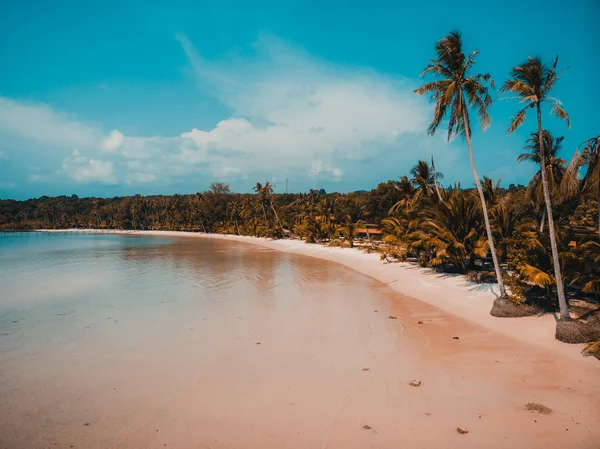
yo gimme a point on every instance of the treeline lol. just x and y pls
(438, 227)
(313, 215)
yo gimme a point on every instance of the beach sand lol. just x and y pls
(332, 375)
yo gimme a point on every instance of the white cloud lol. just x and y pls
(113, 141)
(3, 155)
(318, 167)
(290, 113)
(83, 170)
(40, 123)
(291, 110)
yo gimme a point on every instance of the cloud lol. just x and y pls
(292, 110)
(84, 170)
(290, 113)
(113, 141)
(3, 155)
(40, 123)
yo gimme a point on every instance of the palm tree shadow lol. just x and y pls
(470, 286)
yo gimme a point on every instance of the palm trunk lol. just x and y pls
(488, 227)
(562, 300)
(437, 189)
(543, 222)
(276, 216)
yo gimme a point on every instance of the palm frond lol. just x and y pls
(561, 113)
(535, 275)
(517, 120)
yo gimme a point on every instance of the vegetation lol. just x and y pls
(541, 240)
(453, 96)
(533, 82)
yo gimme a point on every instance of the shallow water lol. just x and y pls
(99, 333)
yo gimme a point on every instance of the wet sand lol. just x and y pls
(305, 354)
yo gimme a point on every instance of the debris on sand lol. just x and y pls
(257, 343)
(420, 322)
(455, 338)
(538, 408)
(462, 430)
(415, 383)
(592, 349)
(367, 427)
(392, 317)
(366, 369)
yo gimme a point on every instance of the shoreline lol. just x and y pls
(451, 293)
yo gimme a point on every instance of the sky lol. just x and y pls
(117, 98)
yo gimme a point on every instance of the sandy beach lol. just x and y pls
(332, 368)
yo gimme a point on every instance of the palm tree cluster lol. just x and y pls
(455, 93)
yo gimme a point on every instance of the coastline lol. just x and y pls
(451, 293)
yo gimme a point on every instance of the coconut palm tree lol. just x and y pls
(533, 82)
(453, 95)
(456, 231)
(555, 168)
(425, 178)
(490, 191)
(234, 213)
(591, 180)
(349, 230)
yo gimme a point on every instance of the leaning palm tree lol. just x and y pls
(453, 95)
(533, 82)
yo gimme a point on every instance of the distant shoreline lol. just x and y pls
(450, 293)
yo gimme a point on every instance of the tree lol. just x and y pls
(349, 230)
(533, 81)
(591, 180)
(453, 95)
(456, 232)
(555, 168)
(425, 178)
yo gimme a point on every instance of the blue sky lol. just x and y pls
(114, 98)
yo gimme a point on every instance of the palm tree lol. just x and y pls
(490, 191)
(555, 168)
(454, 94)
(436, 175)
(234, 214)
(533, 81)
(425, 178)
(456, 231)
(591, 180)
(349, 230)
